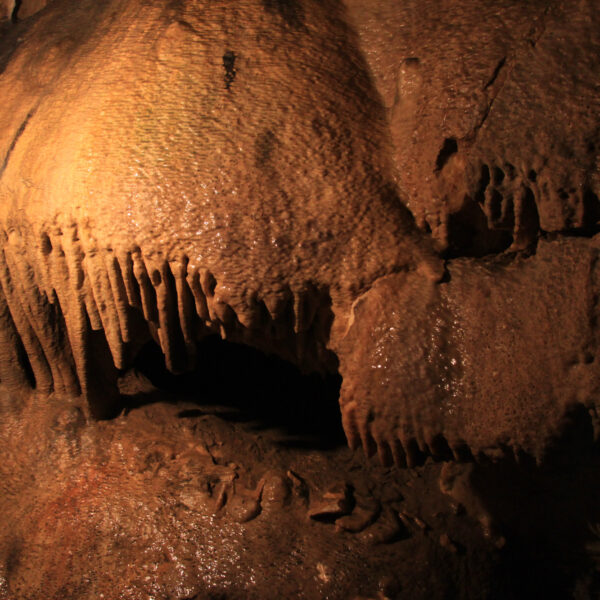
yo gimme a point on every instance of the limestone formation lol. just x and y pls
(174, 170)
(493, 112)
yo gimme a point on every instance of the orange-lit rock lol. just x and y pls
(493, 112)
(403, 195)
(174, 171)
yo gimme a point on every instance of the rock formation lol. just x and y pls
(171, 171)
(402, 195)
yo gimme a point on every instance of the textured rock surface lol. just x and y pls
(510, 348)
(493, 111)
(175, 500)
(248, 192)
(175, 171)
(171, 172)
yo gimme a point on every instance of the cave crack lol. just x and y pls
(504, 68)
(15, 139)
(496, 72)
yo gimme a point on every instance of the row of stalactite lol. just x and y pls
(71, 318)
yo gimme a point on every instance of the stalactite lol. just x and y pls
(119, 294)
(169, 331)
(95, 268)
(132, 287)
(186, 310)
(43, 318)
(73, 287)
(251, 313)
(148, 295)
(193, 279)
(91, 307)
(14, 362)
(37, 358)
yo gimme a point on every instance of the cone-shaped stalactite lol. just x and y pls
(72, 317)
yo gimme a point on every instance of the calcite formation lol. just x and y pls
(174, 170)
(493, 112)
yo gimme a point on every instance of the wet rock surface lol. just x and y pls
(483, 119)
(187, 192)
(493, 111)
(176, 499)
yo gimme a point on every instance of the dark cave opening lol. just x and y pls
(14, 17)
(248, 386)
(469, 234)
(549, 513)
(449, 147)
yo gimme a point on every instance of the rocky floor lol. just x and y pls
(190, 495)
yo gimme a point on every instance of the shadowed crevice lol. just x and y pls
(14, 17)
(552, 544)
(449, 147)
(496, 72)
(15, 139)
(290, 11)
(248, 386)
(230, 70)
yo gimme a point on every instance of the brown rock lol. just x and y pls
(481, 150)
(148, 196)
(275, 489)
(332, 504)
(387, 529)
(243, 508)
(364, 513)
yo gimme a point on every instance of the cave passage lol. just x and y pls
(246, 385)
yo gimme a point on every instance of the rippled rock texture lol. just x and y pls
(381, 191)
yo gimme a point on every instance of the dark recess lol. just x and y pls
(229, 66)
(264, 147)
(290, 11)
(549, 515)
(14, 17)
(591, 210)
(470, 235)
(262, 389)
(449, 147)
(23, 359)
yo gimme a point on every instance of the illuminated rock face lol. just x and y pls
(493, 111)
(169, 171)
